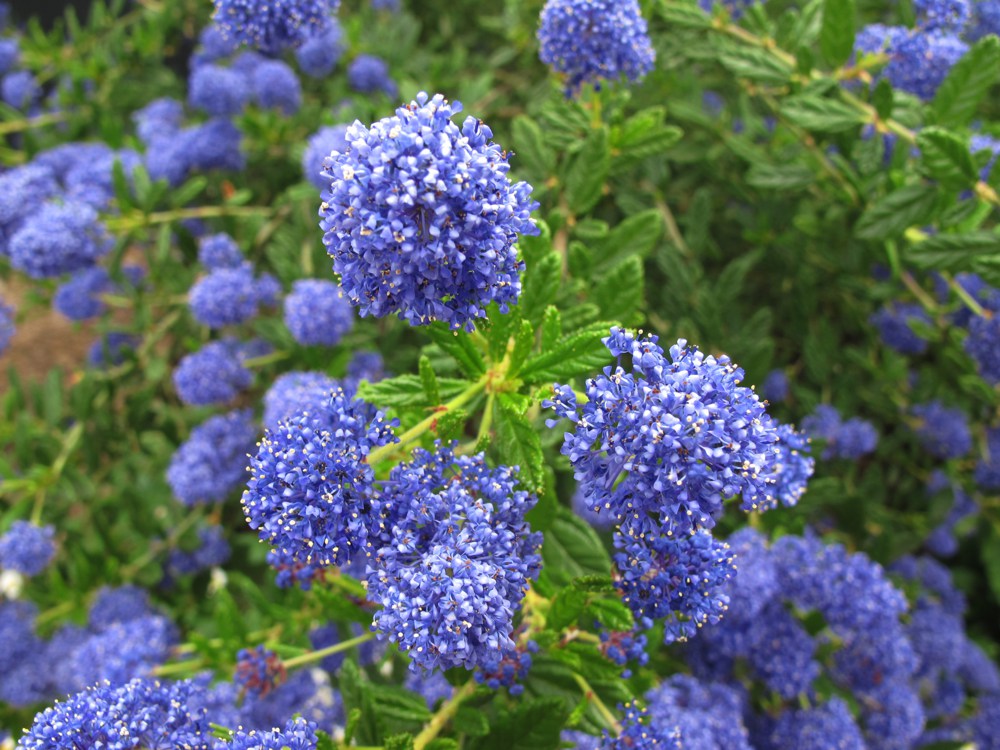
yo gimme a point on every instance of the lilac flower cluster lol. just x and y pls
(215, 373)
(293, 393)
(942, 431)
(456, 560)
(272, 25)
(317, 314)
(369, 74)
(259, 671)
(982, 343)
(848, 440)
(919, 59)
(7, 327)
(212, 550)
(298, 734)
(79, 298)
(656, 451)
(211, 463)
(218, 251)
(942, 540)
(590, 41)
(421, 218)
(894, 326)
(506, 669)
(58, 239)
(228, 296)
(320, 145)
(311, 492)
(27, 548)
(623, 646)
(319, 53)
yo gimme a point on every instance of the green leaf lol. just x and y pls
(882, 99)
(578, 354)
(970, 79)
(620, 292)
(402, 741)
(684, 15)
(450, 425)
(405, 391)
(755, 64)
(822, 115)
(990, 552)
(471, 721)
(429, 380)
(780, 176)
(524, 342)
(533, 724)
(458, 344)
(551, 327)
(953, 252)
(635, 236)
(573, 549)
(566, 608)
(541, 285)
(897, 211)
(641, 137)
(836, 36)
(518, 441)
(611, 613)
(588, 172)
(946, 157)
(531, 153)
(399, 705)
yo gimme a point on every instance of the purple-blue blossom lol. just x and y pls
(158, 120)
(320, 52)
(275, 86)
(319, 146)
(226, 296)
(27, 548)
(317, 314)
(294, 393)
(985, 20)
(216, 251)
(421, 218)
(775, 386)
(259, 670)
(212, 375)
(942, 15)
(272, 25)
(58, 239)
(297, 734)
(894, 323)
(369, 74)
(987, 471)
(19, 89)
(593, 41)
(7, 325)
(942, 431)
(211, 463)
(217, 91)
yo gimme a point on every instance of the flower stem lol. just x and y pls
(125, 223)
(314, 656)
(602, 709)
(967, 298)
(443, 715)
(421, 427)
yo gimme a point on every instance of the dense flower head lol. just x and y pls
(226, 296)
(319, 146)
(641, 731)
(985, 20)
(433, 686)
(259, 671)
(793, 466)
(935, 579)
(213, 45)
(213, 144)
(122, 651)
(920, 61)
(216, 251)
(22, 190)
(456, 561)
(369, 74)
(19, 89)
(139, 714)
(114, 605)
(212, 375)
(320, 53)
(298, 734)
(827, 727)
(366, 366)
(708, 715)
(849, 439)
(10, 51)
(272, 25)
(894, 326)
(7, 326)
(983, 345)
(307, 693)
(310, 495)
(659, 448)
(943, 432)
(79, 298)
(275, 86)
(27, 548)
(213, 550)
(942, 540)
(293, 393)
(211, 463)
(591, 41)
(316, 313)
(506, 669)
(58, 239)
(623, 646)
(679, 579)
(160, 119)
(421, 218)
(217, 91)
(944, 15)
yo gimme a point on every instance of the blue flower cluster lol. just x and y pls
(259, 671)
(317, 314)
(293, 393)
(58, 239)
(942, 540)
(369, 74)
(27, 548)
(506, 669)
(79, 298)
(623, 646)
(657, 450)
(919, 59)
(217, 251)
(272, 25)
(848, 440)
(320, 145)
(311, 493)
(421, 218)
(215, 373)
(212, 550)
(456, 560)
(942, 431)
(228, 296)
(298, 734)
(211, 463)
(140, 713)
(590, 41)
(894, 325)
(982, 343)
(319, 53)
